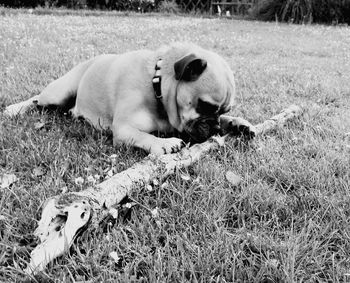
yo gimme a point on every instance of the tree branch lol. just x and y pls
(64, 215)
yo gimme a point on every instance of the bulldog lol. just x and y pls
(180, 88)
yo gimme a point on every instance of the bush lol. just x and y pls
(268, 10)
(302, 11)
(131, 5)
(335, 11)
(21, 3)
(42, 3)
(169, 6)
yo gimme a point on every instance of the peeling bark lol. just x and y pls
(64, 215)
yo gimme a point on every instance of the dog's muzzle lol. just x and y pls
(202, 128)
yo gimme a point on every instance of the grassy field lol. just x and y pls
(288, 220)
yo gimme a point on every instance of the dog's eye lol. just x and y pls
(206, 108)
(224, 110)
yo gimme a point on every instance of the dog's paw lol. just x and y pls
(168, 145)
(14, 110)
(241, 127)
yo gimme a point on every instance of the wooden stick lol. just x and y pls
(64, 215)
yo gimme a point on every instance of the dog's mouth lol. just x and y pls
(202, 128)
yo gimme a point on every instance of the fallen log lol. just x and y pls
(63, 216)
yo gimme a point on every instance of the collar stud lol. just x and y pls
(157, 79)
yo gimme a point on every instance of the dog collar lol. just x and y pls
(156, 81)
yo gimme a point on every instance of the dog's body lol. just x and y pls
(116, 92)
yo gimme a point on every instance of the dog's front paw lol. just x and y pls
(14, 110)
(168, 145)
(237, 126)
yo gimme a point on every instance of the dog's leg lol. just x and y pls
(131, 136)
(21, 107)
(236, 126)
(58, 93)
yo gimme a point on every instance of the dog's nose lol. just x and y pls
(216, 129)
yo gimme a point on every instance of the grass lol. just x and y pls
(288, 220)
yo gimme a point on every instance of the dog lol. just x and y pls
(180, 88)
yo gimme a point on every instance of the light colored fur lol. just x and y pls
(116, 92)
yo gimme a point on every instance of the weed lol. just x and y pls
(287, 221)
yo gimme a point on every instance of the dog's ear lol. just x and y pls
(189, 68)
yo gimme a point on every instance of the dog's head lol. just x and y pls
(203, 89)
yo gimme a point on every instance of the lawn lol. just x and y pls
(288, 220)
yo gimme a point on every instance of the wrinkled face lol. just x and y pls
(207, 122)
(199, 112)
(201, 102)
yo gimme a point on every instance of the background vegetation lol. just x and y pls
(295, 11)
(303, 11)
(288, 220)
